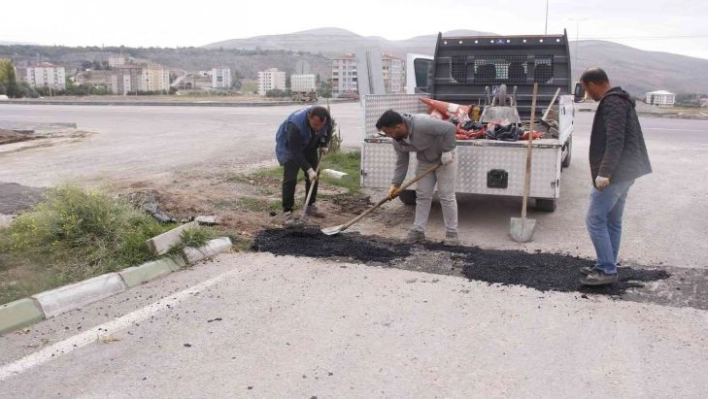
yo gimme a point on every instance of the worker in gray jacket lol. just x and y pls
(434, 142)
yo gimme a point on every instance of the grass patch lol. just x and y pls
(197, 237)
(347, 162)
(75, 235)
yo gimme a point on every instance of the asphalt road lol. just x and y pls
(256, 325)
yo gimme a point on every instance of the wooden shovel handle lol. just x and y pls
(387, 198)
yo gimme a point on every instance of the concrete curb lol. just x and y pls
(27, 311)
(211, 248)
(18, 314)
(74, 296)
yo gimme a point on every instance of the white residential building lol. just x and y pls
(270, 79)
(344, 76)
(660, 97)
(303, 83)
(154, 78)
(47, 75)
(221, 78)
(114, 61)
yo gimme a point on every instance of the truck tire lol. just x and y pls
(566, 161)
(407, 197)
(546, 204)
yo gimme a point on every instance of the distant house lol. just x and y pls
(660, 97)
(303, 83)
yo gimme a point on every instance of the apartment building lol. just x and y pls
(221, 78)
(303, 83)
(46, 75)
(345, 81)
(344, 76)
(394, 73)
(126, 79)
(154, 78)
(270, 79)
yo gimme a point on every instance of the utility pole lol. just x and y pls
(577, 37)
(546, 31)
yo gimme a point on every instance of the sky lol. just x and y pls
(677, 26)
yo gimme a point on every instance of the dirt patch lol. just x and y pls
(354, 204)
(15, 198)
(8, 137)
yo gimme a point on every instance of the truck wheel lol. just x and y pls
(546, 204)
(569, 145)
(407, 197)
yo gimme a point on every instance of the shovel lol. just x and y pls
(303, 217)
(522, 229)
(330, 231)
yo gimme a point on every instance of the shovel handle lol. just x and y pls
(387, 198)
(527, 175)
(309, 193)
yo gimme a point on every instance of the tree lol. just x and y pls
(8, 79)
(325, 89)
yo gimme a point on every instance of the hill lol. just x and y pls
(335, 41)
(637, 71)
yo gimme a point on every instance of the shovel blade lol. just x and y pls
(330, 231)
(521, 230)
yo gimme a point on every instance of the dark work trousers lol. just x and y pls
(290, 171)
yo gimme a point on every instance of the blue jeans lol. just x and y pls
(604, 223)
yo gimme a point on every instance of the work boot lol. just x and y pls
(312, 210)
(414, 237)
(451, 240)
(288, 218)
(599, 278)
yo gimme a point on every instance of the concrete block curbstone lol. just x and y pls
(77, 295)
(137, 275)
(18, 314)
(161, 244)
(177, 263)
(211, 248)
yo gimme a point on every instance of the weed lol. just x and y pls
(76, 234)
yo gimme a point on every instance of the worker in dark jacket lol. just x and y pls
(618, 156)
(300, 140)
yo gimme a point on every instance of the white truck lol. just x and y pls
(467, 71)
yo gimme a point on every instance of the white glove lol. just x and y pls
(311, 174)
(602, 182)
(447, 157)
(323, 151)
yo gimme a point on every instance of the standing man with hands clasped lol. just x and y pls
(299, 142)
(434, 142)
(618, 156)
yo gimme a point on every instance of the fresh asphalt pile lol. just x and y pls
(542, 271)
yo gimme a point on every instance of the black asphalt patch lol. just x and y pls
(541, 271)
(313, 243)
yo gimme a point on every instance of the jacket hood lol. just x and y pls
(617, 91)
